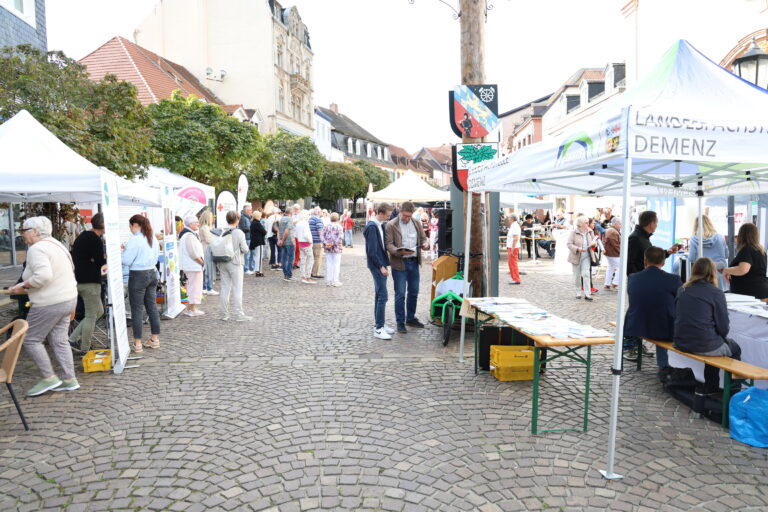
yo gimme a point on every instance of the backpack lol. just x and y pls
(222, 249)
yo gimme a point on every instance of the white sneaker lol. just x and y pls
(243, 318)
(381, 334)
(212, 292)
(388, 329)
(337, 284)
(249, 272)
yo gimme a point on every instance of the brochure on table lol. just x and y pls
(109, 198)
(170, 265)
(534, 321)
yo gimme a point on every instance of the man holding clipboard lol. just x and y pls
(404, 238)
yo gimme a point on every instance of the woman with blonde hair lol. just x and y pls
(206, 237)
(580, 244)
(713, 244)
(701, 319)
(747, 271)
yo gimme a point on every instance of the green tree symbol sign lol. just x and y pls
(477, 153)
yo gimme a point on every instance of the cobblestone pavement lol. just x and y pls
(303, 409)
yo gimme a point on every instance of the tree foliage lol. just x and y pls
(378, 177)
(200, 141)
(296, 169)
(341, 180)
(103, 121)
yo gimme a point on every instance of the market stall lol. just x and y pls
(38, 167)
(688, 129)
(409, 187)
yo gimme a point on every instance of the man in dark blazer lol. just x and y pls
(378, 261)
(651, 312)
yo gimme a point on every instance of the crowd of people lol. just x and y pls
(661, 307)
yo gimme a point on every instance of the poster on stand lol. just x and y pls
(170, 266)
(664, 236)
(109, 208)
(242, 191)
(224, 203)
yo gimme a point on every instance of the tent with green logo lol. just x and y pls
(688, 129)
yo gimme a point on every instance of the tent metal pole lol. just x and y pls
(619, 335)
(466, 274)
(701, 227)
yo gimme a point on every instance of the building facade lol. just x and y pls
(356, 143)
(251, 52)
(23, 22)
(322, 137)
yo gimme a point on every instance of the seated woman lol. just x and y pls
(747, 271)
(701, 319)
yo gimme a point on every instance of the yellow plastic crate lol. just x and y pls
(512, 362)
(97, 361)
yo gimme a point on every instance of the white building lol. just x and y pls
(250, 52)
(322, 137)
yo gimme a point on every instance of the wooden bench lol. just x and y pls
(733, 369)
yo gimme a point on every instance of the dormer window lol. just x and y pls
(357, 147)
(350, 149)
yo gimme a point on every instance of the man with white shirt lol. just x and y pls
(404, 239)
(378, 261)
(513, 249)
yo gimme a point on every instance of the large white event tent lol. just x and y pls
(688, 129)
(37, 167)
(409, 187)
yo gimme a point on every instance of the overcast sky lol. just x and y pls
(389, 64)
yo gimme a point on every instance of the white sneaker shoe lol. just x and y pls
(337, 284)
(388, 329)
(381, 334)
(212, 292)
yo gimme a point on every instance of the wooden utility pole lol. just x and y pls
(472, 17)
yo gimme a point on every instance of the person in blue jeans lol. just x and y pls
(405, 240)
(378, 261)
(285, 236)
(245, 226)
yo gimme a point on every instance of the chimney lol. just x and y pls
(334, 108)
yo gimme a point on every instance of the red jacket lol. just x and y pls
(349, 223)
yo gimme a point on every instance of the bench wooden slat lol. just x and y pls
(739, 369)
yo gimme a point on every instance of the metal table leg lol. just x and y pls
(535, 405)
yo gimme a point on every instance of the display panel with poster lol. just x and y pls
(170, 266)
(109, 207)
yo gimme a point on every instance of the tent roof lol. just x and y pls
(410, 188)
(37, 166)
(159, 175)
(688, 125)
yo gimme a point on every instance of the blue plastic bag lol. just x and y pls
(749, 417)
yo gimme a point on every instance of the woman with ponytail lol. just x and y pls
(139, 259)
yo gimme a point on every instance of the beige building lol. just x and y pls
(251, 52)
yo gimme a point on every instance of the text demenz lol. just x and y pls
(682, 146)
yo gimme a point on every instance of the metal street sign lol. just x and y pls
(465, 155)
(474, 110)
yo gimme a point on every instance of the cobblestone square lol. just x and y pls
(302, 409)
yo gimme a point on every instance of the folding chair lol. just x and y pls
(10, 351)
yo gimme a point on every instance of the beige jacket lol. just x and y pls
(50, 273)
(576, 242)
(394, 239)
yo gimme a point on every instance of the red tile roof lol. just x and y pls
(155, 78)
(442, 153)
(398, 151)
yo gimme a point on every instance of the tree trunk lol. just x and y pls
(473, 73)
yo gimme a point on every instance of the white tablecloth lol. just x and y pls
(750, 332)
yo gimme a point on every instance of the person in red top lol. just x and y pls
(349, 226)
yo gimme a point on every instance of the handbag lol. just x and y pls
(594, 259)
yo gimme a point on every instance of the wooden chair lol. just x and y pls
(10, 351)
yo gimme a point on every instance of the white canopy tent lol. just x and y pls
(516, 200)
(409, 187)
(688, 129)
(37, 167)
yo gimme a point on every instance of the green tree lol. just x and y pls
(378, 177)
(200, 141)
(103, 121)
(296, 169)
(341, 180)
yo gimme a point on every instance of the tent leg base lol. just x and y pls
(610, 476)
